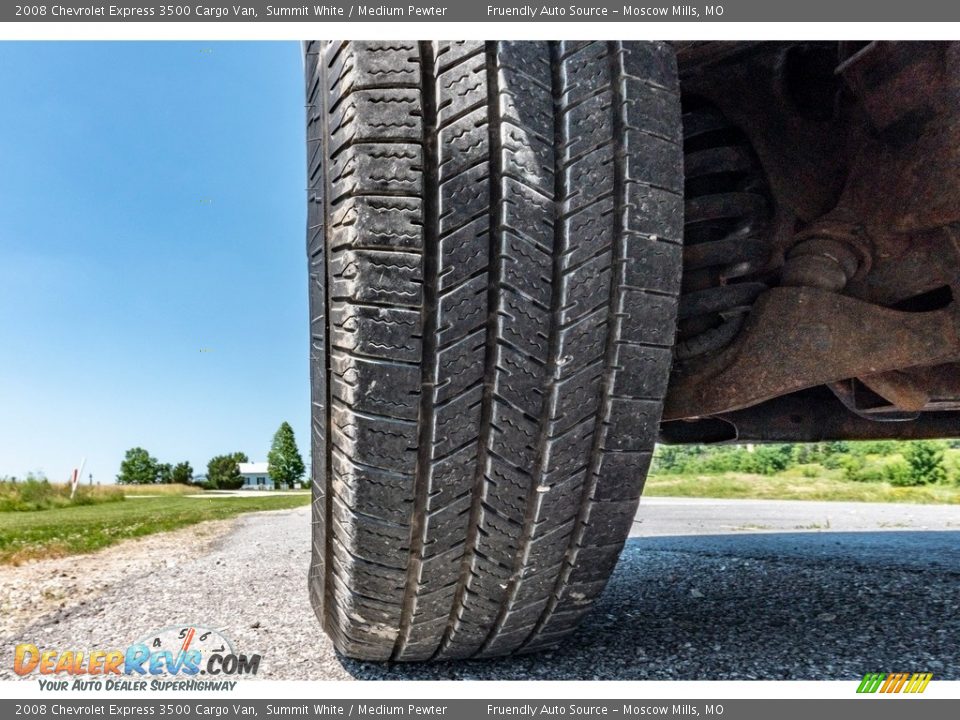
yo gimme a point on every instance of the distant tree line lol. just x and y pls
(285, 466)
(139, 467)
(901, 463)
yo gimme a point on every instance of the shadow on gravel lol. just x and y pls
(789, 606)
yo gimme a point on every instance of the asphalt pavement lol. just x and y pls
(705, 589)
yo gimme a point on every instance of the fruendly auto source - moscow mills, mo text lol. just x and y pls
(585, 11)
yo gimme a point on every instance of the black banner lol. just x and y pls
(502, 11)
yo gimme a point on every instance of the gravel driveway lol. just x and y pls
(706, 589)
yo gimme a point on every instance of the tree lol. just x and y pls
(925, 459)
(138, 468)
(223, 471)
(164, 473)
(283, 461)
(182, 473)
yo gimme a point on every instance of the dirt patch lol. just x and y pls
(36, 588)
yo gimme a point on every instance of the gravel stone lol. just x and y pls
(779, 604)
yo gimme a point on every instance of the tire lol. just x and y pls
(495, 252)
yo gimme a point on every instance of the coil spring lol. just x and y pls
(728, 216)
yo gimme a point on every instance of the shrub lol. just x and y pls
(952, 464)
(851, 466)
(925, 458)
(772, 459)
(898, 474)
(36, 492)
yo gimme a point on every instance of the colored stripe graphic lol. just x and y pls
(894, 682)
(890, 683)
(918, 683)
(870, 682)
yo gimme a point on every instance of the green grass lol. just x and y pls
(795, 486)
(80, 529)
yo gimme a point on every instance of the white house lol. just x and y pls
(255, 476)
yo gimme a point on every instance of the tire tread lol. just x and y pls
(494, 244)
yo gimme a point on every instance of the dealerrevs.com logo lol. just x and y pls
(173, 658)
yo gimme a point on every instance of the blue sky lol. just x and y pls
(151, 207)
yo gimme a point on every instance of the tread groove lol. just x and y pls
(494, 123)
(428, 381)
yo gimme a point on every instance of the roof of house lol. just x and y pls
(253, 468)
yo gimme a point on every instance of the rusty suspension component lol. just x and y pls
(727, 218)
(837, 337)
(867, 296)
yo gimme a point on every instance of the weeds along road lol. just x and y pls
(705, 589)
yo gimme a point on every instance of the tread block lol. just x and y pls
(382, 443)
(460, 88)
(519, 378)
(653, 265)
(621, 475)
(653, 110)
(464, 252)
(610, 522)
(456, 421)
(377, 277)
(464, 197)
(576, 450)
(660, 160)
(377, 169)
(463, 143)
(371, 115)
(527, 216)
(642, 372)
(650, 63)
(378, 332)
(517, 436)
(632, 424)
(579, 397)
(648, 318)
(369, 539)
(370, 388)
(461, 366)
(382, 64)
(585, 336)
(584, 286)
(450, 53)
(372, 489)
(453, 476)
(384, 222)
(524, 324)
(589, 232)
(463, 310)
(654, 212)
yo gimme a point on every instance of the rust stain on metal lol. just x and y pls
(868, 282)
(797, 338)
